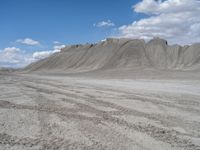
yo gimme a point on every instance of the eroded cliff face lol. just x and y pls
(122, 53)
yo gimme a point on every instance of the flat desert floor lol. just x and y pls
(72, 113)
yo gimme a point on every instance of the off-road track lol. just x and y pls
(65, 113)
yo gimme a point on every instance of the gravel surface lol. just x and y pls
(66, 113)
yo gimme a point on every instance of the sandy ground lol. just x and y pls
(65, 113)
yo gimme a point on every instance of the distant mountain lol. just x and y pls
(121, 54)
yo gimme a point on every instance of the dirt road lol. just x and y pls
(54, 113)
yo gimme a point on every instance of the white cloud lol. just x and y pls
(28, 41)
(168, 6)
(11, 50)
(43, 54)
(107, 23)
(58, 47)
(16, 58)
(56, 42)
(13, 57)
(178, 21)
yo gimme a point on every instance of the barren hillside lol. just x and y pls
(121, 54)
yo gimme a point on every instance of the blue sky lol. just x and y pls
(34, 29)
(67, 21)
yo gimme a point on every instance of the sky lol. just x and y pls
(31, 30)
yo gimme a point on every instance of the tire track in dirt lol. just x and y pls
(46, 107)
